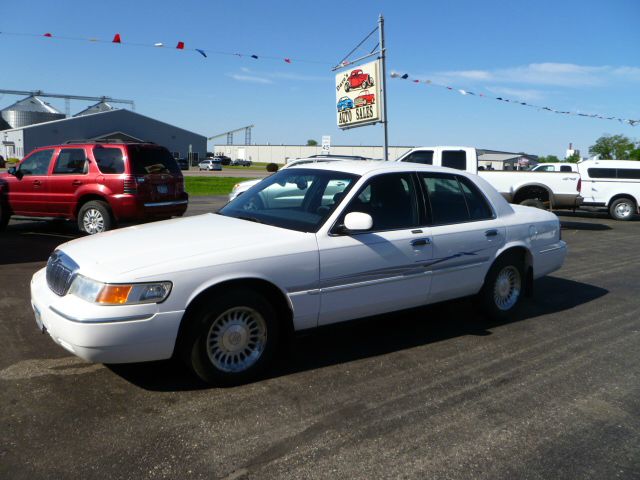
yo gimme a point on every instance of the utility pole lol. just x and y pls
(385, 118)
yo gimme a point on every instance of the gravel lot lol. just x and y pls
(432, 393)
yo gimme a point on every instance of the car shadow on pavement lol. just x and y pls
(594, 227)
(349, 341)
(33, 241)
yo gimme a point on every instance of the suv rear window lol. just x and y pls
(144, 160)
(109, 160)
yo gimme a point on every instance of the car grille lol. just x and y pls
(60, 272)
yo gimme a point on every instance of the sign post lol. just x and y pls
(361, 91)
(326, 145)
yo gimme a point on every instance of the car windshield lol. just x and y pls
(296, 199)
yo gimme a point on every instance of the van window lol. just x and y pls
(632, 173)
(602, 172)
(109, 159)
(454, 159)
(425, 157)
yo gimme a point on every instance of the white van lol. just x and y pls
(614, 184)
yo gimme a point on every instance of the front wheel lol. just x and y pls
(94, 217)
(231, 338)
(501, 293)
(622, 209)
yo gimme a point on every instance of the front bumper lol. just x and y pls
(105, 334)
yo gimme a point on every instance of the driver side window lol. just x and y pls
(37, 163)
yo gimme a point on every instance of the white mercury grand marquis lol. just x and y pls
(308, 246)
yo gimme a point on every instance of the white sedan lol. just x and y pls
(308, 246)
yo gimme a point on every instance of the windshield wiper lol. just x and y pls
(251, 219)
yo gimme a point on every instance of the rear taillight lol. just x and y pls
(580, 184)
(130, 184)
(180, 185)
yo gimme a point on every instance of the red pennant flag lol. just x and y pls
(180, 46)
(288, 60)
(416, 81)
(116, 38)
(47, 35)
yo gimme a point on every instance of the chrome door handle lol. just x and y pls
(491, 233)
(420, 242)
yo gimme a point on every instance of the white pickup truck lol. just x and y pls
(552, 190)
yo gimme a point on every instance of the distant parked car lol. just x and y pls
(344, 103)
(241, 162)
(210, 164)
(96, 184)
(365, 98)
(183, 163)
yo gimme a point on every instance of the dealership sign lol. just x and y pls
(358, 95)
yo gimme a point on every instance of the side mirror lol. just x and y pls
(357, 222)
(12, 171)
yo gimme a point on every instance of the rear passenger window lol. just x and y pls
(425, 157)
(109, 160)
(602, 172)
(565, 168)
(632, 173)
(478, 206)
(454, 159)
(446, 197)
(71, 161)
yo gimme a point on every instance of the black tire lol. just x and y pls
(622, 209)
(5, 216)
(504, 286)
(222, 330)
(533, 202)
(95, 217)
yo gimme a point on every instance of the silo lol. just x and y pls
(29, 111)
(101, 106)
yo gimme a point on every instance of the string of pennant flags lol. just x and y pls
(406, 76)
(181, 45)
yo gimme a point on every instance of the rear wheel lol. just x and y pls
(94, 217)
(231, 338)
(622, 209)
(503, 287)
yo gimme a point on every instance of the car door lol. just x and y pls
(380, 270)
(466, 234)
(28, 191)
(70, 171)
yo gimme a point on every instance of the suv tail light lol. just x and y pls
(130, 184)
(580, 184)
(180, 185)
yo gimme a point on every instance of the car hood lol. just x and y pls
(180, 244)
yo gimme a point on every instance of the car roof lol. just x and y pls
(363, 167)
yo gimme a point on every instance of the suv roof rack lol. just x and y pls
(114, 140)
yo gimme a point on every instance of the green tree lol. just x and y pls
(312, 143)
(635, 153)
(573, 158)
(548, 159)
(612, 147)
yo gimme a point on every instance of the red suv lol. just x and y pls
(97, 184)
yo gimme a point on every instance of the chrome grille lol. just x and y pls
(60, 272)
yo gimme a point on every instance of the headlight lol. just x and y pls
(119, 294)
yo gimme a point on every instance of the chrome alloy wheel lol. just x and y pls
(506, 290)
(623, 210)
(93, 221)
(236, 339)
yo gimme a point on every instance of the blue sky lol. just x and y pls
(570, 55)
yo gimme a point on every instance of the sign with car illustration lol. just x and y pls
(357, 95)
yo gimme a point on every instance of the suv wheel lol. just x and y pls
(231, 338)
(94, 217)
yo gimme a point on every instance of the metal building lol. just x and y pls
(29, 111)
(113, 124)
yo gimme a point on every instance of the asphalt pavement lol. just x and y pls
(431, 393)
